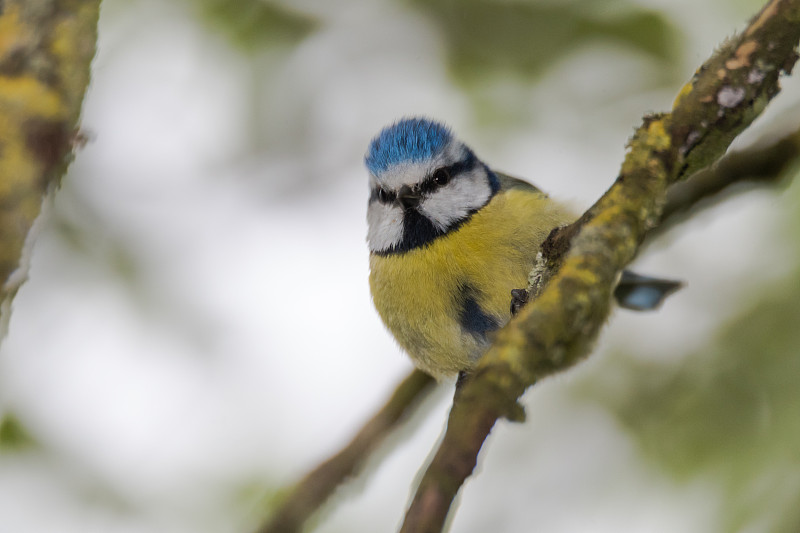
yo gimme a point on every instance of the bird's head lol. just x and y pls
(423, 183)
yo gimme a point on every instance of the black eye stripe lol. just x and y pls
(429, 185)
(465, 165)
(453, 171)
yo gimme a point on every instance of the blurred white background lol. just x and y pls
(197, 330)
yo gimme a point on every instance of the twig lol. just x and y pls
(736, 172)
(319, 484)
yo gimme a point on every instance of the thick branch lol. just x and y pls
(45, 52)
(558, 328)
(319, 484)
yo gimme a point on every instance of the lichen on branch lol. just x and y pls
(46, 47)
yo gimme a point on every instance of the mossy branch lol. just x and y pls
(557, 330)
(46, 47)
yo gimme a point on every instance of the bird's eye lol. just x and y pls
(441, 176)
(384, 196)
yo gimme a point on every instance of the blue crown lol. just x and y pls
(407, 140)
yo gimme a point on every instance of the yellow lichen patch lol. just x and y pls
(742, 55)
(65, 36)
(685, 91)
(654, 138)
(636, 159)
(11, 31)
(575, 268)
(657, 136)
(513, 340)
(29, 96)
(18, 169)
(610, 213)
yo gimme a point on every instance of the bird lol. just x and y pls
(450, 238)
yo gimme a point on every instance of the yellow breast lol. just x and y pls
(421, 294)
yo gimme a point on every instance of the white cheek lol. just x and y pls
(453, 202)
(385, 226)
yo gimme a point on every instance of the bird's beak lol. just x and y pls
(407, 197)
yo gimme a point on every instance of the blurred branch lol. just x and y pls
(557, 329)
(736, 172)
(319, 484)
(46, 48)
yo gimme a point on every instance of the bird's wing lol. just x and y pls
(634, 291)
(509, 182)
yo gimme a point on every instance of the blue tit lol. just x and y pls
(449, 239)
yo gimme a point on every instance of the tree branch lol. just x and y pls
(319, 484)
(45, 52)
(736, 172)
(557, 330)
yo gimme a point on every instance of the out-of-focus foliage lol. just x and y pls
(256, 24)
(730, 413)
(13, 435)
(482, 37)
(489, 38)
